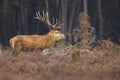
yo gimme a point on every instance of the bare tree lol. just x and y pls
(85, 9)
(24, 16)
(100, 17)
(47, 6)
(7, 20)
(70, 25)
(64, 14)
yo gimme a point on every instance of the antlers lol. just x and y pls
(45, 19)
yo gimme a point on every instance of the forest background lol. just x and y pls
(17, 17)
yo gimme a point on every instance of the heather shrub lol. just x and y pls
(78, 64)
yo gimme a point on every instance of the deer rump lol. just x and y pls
(31, 42)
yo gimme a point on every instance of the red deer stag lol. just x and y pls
(38, 42)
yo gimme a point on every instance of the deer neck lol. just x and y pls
(49, 39)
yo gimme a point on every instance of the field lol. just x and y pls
(66, 63)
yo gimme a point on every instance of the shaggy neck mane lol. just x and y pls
(48, 39)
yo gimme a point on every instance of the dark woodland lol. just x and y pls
(85, 47)
(17, 17)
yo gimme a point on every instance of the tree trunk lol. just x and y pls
(5, 6)
(70, 25)
(7, 21)
(64, 14)
(85, 9)
(100, 17)
(24, 16)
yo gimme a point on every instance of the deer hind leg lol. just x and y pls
(18, 48)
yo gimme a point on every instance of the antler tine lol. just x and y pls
(60, 25)
(45, 19)
(43, 13)
(53, 20)
(39, 17)
(43, 16)
(57, 25)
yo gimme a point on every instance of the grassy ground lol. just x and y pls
(69, 63)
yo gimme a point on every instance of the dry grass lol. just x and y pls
(78, 64)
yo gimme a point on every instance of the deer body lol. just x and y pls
(35, 42)
(38, 42)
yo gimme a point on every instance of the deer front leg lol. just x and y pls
(38, 50)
